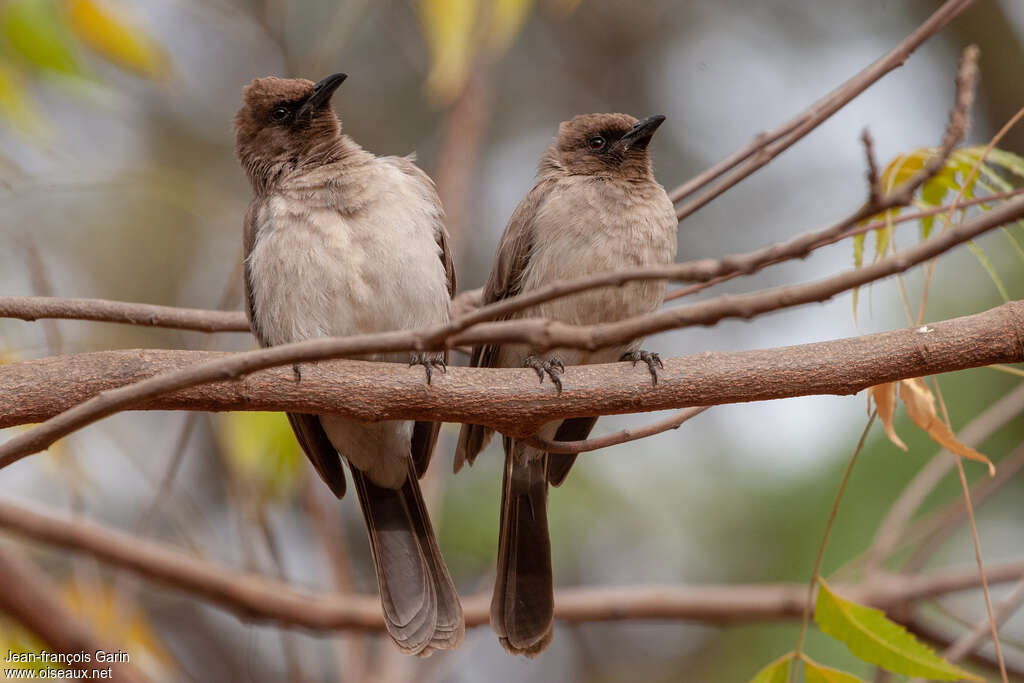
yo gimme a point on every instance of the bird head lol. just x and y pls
(606, 144)
(283, 121)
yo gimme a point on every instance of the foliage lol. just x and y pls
(872, 637)
(969, 173)
(48, 39)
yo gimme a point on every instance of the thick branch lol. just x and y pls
(31, 600)
(256, 597)
(511, 399)
(540, 334)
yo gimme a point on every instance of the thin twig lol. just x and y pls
(540, 334)
(102, 310)
(894, 525)
(616, 438)
(975, 538)
(973, 638)
(959, 195)
(507, 399)
(933, 531)
(805, 619)
(766, 146)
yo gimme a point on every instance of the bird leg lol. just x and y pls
(551, 367)
(653, 361)
(428, 364)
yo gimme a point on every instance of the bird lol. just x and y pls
(595, 207)
(339, 241)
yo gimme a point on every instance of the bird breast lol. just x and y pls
(590, 226)
(318, 270)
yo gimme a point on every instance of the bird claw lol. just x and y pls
(428, 365)
(551, 367)
(297, 371)
(653, 361)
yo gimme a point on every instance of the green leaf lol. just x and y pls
(872, 637)
(1014, 243)
(818, 673)
(987, 265)
(33, 30)
(1008, 160)
(777, 671)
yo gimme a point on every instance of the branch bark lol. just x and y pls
(258, 598)
(539, 334)
(103, 310)
(511, 400)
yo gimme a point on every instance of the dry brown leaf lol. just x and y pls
(920, 404)
(885, 402)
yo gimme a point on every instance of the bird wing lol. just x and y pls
(424, 434)
(504, 281)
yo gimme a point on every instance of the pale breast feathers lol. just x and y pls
(378, 267)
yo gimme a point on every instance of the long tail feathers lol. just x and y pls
(522, 606)
(422, 611)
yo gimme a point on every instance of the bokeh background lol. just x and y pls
(118, 180)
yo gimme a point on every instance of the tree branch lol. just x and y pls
(766, 146)
(255, 597)
(103, 310)
(511, 400)
(619, 437)
(30, 599)
(541, 335)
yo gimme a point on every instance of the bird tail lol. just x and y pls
(422, 611)
(522, 606)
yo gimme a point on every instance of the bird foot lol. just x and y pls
(551, 367)
(428, 364)
(297, 371)
(653, 361)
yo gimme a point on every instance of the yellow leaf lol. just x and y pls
(121, 624)
(921, 408)
(506, 20)
(450, 29)
(261, 449)
(885, 403)
(104, 32)
(16, 104)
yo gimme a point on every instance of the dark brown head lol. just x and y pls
(284, 122)
(604, 144)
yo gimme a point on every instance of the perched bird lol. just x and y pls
(339, 242)
(596, 207)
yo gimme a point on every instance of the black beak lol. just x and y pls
(640, 134)
(321, 95)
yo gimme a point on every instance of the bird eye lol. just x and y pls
(279, 114)
(596, 142)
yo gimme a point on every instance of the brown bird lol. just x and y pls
(596, 207)
(340, 242)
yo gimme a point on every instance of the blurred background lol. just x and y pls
(118, 180)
